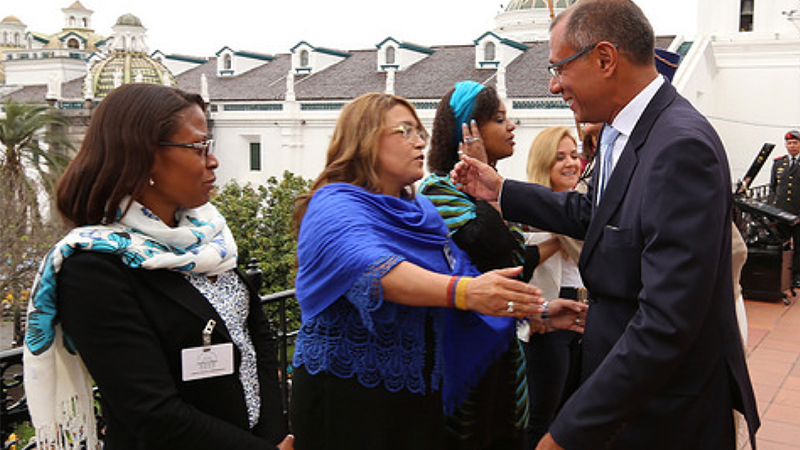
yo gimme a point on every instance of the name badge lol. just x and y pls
(207, 361)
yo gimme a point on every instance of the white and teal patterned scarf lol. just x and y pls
(57, 385)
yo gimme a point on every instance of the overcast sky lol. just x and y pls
(202, 27)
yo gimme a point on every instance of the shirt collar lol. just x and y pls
(627, 118)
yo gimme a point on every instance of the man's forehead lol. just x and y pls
(557, 45)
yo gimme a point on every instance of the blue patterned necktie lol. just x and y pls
(608, 137)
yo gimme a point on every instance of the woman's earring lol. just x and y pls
(152, 182)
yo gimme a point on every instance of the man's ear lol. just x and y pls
(607, 54)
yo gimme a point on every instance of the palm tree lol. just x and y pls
(23, 158)
(33, 152)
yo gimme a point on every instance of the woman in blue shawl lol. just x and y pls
(397, 324)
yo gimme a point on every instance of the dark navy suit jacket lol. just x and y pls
(663, 362)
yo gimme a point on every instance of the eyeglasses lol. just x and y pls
(556, 67)
(205, 146)
(410, 132)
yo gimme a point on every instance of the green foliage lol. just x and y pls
(33, 153)
(260, 218)
(23, 433)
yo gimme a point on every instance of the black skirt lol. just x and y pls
(494, 415)
(331, 413)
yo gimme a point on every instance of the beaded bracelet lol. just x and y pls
(451, 291)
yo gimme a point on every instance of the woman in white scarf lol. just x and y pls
(143, 295)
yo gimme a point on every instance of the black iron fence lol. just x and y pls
(13, 407)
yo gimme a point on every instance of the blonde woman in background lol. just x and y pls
(553, 358)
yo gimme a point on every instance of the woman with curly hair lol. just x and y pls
(471, 118)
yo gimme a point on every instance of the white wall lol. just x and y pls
(300, 145)
(755, 98)
(38, 71)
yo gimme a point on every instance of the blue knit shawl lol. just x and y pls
(347, 229)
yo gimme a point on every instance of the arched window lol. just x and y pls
(304, 58)
(226, 62)
(133, 44)
(390, 55)
(72, 21)
(16, 39)
(73, 43)
(85, 22)
(489, 52)
(5, 37)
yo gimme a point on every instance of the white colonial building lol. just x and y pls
(743, 72)
(276, 112)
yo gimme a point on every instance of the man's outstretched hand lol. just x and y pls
(477, 179)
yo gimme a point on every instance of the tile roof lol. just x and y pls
(429, 78)
(265, 82)
(357, 74)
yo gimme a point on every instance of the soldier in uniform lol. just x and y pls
(786, 192)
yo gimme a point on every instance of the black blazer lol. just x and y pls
(662, 355)
(129, 326)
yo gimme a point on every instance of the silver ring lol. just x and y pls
(510, 307)
(578, 320)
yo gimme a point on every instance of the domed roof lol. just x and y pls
(516, 5)
(126, 67)
(77, 5)
(11, 19)
(129, 20)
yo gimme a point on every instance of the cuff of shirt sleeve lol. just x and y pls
(500, 196)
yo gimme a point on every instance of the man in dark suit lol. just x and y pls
(663, 363)
(785, 192)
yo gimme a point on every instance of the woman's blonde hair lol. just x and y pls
(542, 154)
(353, 150)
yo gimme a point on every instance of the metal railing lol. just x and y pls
(760, 192)
(13, 404)
(284, 337)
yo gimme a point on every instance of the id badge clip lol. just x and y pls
(208, 360)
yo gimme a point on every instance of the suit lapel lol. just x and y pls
(613, 195)
(618, 184)
(176, 288)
